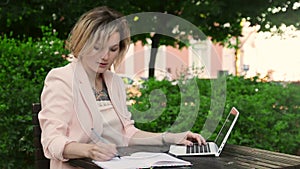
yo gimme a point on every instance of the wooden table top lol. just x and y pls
(232, 156)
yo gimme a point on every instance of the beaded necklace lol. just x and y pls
(101, 95)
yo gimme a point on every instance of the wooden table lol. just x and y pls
(233, 156)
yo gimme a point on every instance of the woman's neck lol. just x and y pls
(99, 82)
(95, 79)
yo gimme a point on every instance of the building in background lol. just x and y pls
(276, 57)
(202, 59)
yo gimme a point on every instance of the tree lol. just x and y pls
(283, 13)
(25, 18)
(217, 19)
(220, 20)
(160, 25)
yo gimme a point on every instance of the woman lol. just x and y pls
(84, 112)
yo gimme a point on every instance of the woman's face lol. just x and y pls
(99, 60)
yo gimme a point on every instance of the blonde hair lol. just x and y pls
(95, 26)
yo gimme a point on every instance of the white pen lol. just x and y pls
(103, 140)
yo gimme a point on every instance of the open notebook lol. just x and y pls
(212, 148)
(143, 160)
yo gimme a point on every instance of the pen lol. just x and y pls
(103, 140)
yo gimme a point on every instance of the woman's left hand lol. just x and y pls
(191, 137)
(186, 138)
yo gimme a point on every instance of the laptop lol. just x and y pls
(212, 148)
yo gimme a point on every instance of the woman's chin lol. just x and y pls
(101, 70)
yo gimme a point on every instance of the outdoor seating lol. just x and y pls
(234, 156)
(40, 161)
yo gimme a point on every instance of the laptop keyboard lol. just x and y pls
(196, 148)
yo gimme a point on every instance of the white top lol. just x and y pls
(112, 126)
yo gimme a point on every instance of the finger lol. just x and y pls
(104, 152)
(203, 140)
(197, 137)
(187, 143)
(110, 149)
(200, 139)
(101, 157)
(192, 136)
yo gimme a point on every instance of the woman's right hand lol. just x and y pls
(101, 151)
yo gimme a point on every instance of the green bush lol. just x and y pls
(164, 105)
(269, 112)
(23, 66)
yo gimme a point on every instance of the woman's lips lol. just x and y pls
(103, 65)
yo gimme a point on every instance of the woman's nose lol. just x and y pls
(105, 55)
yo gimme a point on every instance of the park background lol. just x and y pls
(32, 40)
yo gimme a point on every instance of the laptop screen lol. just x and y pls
(226, 126)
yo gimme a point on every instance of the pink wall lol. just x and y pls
(139, 58)
(176, 59)
(216, 59)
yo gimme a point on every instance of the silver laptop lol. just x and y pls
(212, 148)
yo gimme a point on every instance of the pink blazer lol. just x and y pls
(69, 110)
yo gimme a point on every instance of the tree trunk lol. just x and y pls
(237, 56)
(154, 48)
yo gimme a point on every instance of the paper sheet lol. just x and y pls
(142, 160)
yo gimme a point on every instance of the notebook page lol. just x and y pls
(142, 160)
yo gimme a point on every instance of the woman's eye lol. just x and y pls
(96, 48)
(114, 49)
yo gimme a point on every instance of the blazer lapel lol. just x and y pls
(86, 103)
(118, 99)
